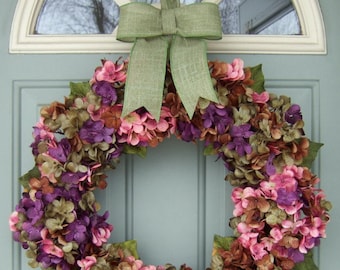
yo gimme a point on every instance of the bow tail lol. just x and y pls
(145, 78)
(190, 72)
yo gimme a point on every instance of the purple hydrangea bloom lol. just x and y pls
(34, 211)
(240, 145)
(295, 255)
(106, 91)
(33, 232)
(98, 221)
(239, 142)
(95, 132)
(26, 203)
(34, 145)
(48, 260)
(285, 197)
(70, 194)
(242, 131)
(61, 151)
(217, 117)
(270, 168)
(293, 114)
(116, 153)
(78, 231)
(188, 131)
(72, 178)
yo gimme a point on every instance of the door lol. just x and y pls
(197, 199)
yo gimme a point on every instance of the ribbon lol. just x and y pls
(155, 32)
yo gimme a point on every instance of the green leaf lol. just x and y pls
(258, 77)
(135, 150)
(130, 246)
(223, 242)
(33, 173)
(307, 264)
(313, 150)
(209, 150)
(79, 89)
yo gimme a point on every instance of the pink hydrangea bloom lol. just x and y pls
(96, 113)
(258, 250)
(110, 72)
(235, 70)
(317, 228)
(50, 248)
(294, 227)
(276, 234)
(268, 190)
(239, 197)
(142, 128)
(87, 262)
(41, 130)
(261, 98)
(136, 264)
(285, 180)
(100, 236)
(13, 220)
(132, 129)
(248, 239)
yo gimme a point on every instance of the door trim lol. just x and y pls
(312, 40)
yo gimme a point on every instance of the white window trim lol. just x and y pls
(312, 40)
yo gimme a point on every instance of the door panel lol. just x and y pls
(175, 210)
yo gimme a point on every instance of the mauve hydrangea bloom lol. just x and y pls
(293, 114)
(106, 91)
(95, 132)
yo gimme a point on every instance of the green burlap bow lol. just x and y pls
(179, 30)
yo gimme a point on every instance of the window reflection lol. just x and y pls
(77, 17)
(102, 16)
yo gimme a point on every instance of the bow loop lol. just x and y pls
(139, 20)
(188, 25)
(169, 26)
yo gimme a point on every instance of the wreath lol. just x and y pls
(279, 212)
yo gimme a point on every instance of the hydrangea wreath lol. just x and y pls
(279, 212)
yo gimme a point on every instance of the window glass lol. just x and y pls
(77, 17)
(102, 16)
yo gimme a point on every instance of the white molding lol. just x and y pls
(312, 40)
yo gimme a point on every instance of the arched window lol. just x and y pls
(39, 28)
